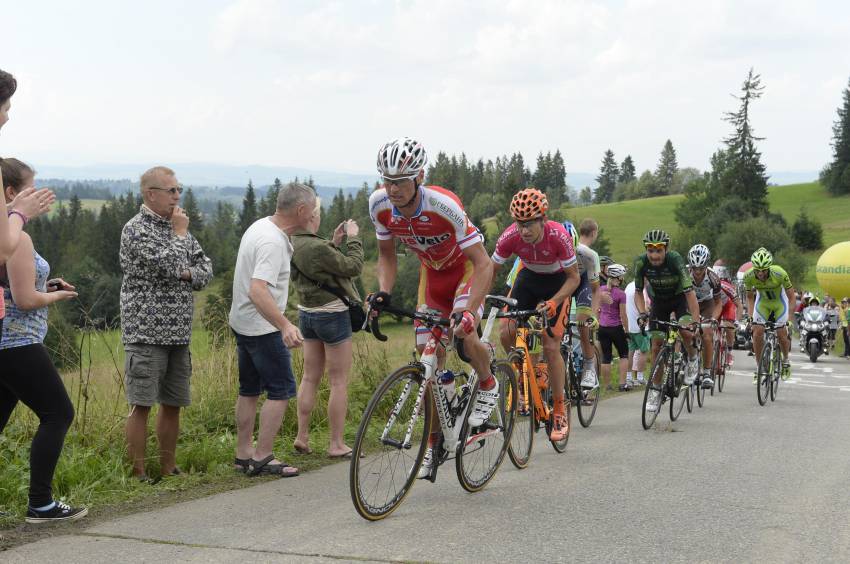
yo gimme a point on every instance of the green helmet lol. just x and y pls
(762, 259)
(655, 236)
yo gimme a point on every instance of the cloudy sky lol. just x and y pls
(323, 84)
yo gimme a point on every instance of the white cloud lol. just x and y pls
(271, 81)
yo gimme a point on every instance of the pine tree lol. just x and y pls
(249, 209)
(836, 175)
(745, 177)
(269, 203)
(668, 166)
(190, 205)
(607, 179)
(627, 170)
(585, 196)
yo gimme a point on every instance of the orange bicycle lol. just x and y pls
(535, 407)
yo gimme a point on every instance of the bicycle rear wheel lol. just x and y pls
(659, 368)
(700, 393)
(690, 400)
(764, 375)
(390, 444)
(522, 439)
(720, 381)
(482, 449)
(588, 400)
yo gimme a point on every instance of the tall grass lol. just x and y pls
(93, 469)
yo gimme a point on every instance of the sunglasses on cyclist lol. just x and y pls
(761, 269)
(527, 224)
(655, 246)
(172, 191)
(395, 181)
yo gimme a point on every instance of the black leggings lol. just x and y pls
(616, 336)
(846, 332)
(29, 376)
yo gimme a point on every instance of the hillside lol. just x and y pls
(626, 222)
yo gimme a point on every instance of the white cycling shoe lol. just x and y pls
(427, 464)
(653, 400)
(588, 379)
(691, 369)
(485, 401)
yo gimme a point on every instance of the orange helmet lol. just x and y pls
(529, 203)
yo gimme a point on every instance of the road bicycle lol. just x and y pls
(722, 356)
(536, 399)
(769, 365)
(393, 434)
(668, 366)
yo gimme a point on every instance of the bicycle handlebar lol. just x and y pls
(427, 319)
(525, 315)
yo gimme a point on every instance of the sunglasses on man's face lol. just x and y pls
(396, 181)
(655, 247)
(174, 190)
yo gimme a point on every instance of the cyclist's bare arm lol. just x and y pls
(718, 308)
(693, 304)
(751, 301)
(496, 268)
(594, 301)
(640, 303)
(387, 265)
(482, 275)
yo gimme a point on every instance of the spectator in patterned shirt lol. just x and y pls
(162, 265)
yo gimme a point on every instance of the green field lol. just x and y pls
(93, 205)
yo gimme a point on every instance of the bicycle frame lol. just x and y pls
(451, 418)
(541, 410)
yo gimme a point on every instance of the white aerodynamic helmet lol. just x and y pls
(402, 158)
(699, 255)
(722, 272)
(616, 271)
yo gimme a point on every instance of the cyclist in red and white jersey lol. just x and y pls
(731, 303)
(455, 273)
(547, 281)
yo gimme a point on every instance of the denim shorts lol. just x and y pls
(265, 365)
(331, 328)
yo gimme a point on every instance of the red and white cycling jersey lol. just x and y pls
(727, 292)
(438, 231)
(554, 253)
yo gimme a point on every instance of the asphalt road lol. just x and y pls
(732, 481)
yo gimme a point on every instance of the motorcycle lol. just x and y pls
(743, 338)
(813, 332)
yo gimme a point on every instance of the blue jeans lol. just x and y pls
(265, 365)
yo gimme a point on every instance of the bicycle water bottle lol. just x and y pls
(446, 379)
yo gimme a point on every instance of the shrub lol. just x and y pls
(807, 232)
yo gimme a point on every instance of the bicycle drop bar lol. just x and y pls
(428, 319)
(525, 315)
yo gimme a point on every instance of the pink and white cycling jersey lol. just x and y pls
(554, 253)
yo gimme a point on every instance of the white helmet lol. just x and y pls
(616, 271)
(699, 255)
(807, 295)
(402, 158)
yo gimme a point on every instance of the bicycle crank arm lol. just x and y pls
(395, 444)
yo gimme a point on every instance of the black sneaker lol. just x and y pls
(60, 512)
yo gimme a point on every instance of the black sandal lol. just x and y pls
(241, 464)
(258, 467)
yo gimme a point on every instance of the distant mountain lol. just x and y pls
(208, 174)
(782, 178)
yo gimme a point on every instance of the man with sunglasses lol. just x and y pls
(547, 280)
(709, 297)
(770, 295)
(162, 264)
(455, 271)
(672, 293)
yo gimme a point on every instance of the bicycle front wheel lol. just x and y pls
(522, 439)
(765, 374)
(677, 403)
(482, 449)
(777, 374)
(700, 393)
(721, 372)
(716, 369)
(659, 367)
(390, 443)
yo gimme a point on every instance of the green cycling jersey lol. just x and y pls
(667, 280)
(770, 289)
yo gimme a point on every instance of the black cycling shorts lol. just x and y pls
(531, 288)
(663, 308)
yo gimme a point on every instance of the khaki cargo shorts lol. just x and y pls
(157, 374)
